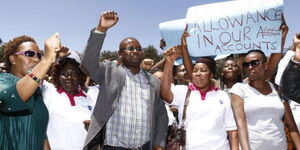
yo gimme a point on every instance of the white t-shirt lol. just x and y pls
(264, 117)
(93, 92)
(207, 121)
(65, 128)
(295, 107)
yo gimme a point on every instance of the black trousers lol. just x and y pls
(144, 147)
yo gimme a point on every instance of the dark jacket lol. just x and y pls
(290, 82)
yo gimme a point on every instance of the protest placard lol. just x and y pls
(234, 27)
(171, 32)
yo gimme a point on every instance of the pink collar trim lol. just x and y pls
(71, 97)
(202, 93)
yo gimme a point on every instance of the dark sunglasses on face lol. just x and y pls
(131, 48)
(29, 53)
(253, 63)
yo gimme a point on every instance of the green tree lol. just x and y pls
(148, 52)
(151, 52)
(108, 55)
(1, 53)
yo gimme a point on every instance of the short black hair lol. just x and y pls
(264, 57)
(210, 62)
(125, 40)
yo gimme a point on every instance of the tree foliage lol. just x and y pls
(1, 53)
(108, 55)
(148, 52)
(151, 52)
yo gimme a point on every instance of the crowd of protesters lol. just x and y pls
(55, 100)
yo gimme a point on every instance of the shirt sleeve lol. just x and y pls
(10, 101)
(49, 96)
(238, 90)
(179, 94)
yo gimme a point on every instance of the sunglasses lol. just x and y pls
(29, 53)
(131, 48)
(252, 63)
(66, 74)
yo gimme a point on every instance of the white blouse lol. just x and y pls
(65, 128)
(264, 117)
(207, 121)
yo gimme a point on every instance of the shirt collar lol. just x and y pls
(141, 72)
(193, 87)
(71, 97)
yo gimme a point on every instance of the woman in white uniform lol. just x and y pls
(209, 122)
(259, 110)
(68, 105)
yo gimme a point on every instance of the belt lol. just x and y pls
(144, 147)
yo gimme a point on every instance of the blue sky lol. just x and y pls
(74, 19)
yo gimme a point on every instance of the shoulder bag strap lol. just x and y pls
(186, 102)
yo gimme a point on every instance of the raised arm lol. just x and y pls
(158, 64)
(185, 54)
(165, 86)
(275, 57)
(26, 86)
(92, 51)
(237, 105)
(162, 45)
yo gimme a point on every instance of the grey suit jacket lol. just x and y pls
(111, 79)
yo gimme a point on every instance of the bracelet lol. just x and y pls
(33, 77)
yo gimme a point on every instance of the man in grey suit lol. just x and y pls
(129, 113)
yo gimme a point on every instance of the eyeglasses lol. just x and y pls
(66, 74)
(253, 63)
(131, 48)
(29, 53)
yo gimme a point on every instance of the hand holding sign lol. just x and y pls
(184, 36)
(235, 27)
(283, 27)
(162, 44)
